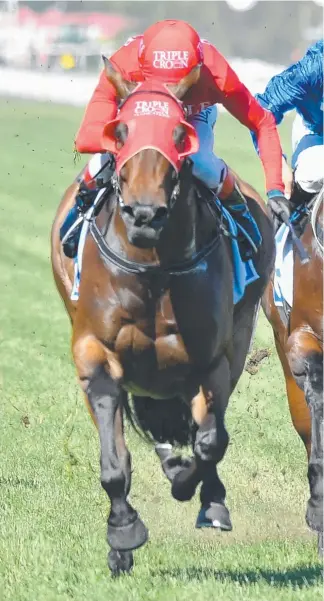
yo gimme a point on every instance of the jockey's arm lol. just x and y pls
(102, 108)
(292, 86)
(237, 99)
(103, 103)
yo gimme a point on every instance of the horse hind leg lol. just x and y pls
(210, 447)
(305, 358)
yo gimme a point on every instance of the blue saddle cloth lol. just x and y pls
(244, 272)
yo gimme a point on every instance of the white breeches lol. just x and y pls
(308, 158)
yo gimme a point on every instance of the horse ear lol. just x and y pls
(180, 89)
(123, 87)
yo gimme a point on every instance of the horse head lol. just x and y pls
(150, 139)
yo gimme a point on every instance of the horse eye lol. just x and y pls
(123, 176)
(179, 136)
(121, 133)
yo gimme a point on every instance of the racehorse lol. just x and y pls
(299, 341)
(155, 317)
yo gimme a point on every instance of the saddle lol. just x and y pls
(283, 280)
(231, 226)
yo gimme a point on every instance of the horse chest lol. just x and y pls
(151, 351)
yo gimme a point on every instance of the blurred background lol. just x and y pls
(43, 41)
(69, 36)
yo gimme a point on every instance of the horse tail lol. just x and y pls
(160, 420)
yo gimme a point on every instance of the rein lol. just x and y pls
(315, 211)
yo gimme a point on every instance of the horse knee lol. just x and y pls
(315, 378)
(303, 354)
(211, 440)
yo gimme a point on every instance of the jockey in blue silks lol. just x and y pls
(299, 87)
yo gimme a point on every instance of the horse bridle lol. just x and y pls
(135, 267)
(152, 268)
(115, 182)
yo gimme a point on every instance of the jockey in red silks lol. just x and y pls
(168, 51)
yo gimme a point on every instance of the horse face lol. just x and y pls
(150, 139)
(147, 181)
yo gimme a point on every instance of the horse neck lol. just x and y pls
(190, 227)
(178, 240)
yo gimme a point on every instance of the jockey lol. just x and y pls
(300, 87)
(168, 51)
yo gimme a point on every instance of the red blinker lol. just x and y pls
(151, 119)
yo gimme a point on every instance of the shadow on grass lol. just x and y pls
(300, 576)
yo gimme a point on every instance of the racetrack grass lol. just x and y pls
(52, 509)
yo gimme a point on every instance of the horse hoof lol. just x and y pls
(320, 544)
(129, 537)
(120, 561)
(172, 466)
(314, 516)
(183, 489)
(216, 515)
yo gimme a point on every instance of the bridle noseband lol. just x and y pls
(115, 182)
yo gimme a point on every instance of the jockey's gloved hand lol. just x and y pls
(279, 206)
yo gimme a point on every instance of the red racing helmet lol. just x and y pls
(169, 50)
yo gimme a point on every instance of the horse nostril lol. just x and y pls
(160, 214)
(128, 210)
(144, 214)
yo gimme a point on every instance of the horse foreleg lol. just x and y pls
(126, 531)
(299, 410)
(305, 357)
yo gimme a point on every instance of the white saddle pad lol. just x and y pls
(284, 267)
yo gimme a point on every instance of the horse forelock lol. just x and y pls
(145, 175)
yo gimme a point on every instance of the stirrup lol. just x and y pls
(73, 227)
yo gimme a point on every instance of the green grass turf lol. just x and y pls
(52, 509)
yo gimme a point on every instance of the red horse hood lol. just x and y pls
(151, 114)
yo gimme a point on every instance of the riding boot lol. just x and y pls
(71, 228)
(88, 189)
(234, 201)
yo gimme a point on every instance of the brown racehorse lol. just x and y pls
(156, 318)
(299, 343)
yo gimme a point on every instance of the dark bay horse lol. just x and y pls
(155, 318)
(299, 342)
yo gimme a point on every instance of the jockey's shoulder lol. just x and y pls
(213, 58)
(316, 48)
(313, 58)
(125, 59)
